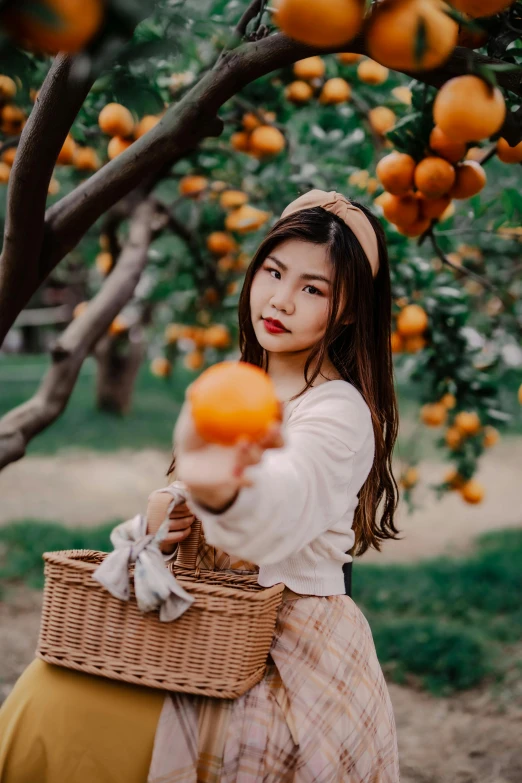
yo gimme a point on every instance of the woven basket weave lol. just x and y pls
(218, 647)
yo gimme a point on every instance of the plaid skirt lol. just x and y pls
(322, 713)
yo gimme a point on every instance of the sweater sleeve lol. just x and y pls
(299, 490)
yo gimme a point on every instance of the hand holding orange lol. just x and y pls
(230, 417)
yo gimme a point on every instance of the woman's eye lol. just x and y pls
(315, 289)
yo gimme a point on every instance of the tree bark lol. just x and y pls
(180, 130)
(21, 424)
(118, 362)
(56, 107)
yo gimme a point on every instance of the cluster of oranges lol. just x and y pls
(117, 122)
(194, 340)
(415, 193)
(241, 218)
(409, 35)
(411, 323)
(258, 137)
(465, 424)
(310, 80)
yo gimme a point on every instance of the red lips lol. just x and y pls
(276, 323)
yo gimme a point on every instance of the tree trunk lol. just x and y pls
(119, 360)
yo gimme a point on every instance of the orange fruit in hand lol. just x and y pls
(434, 176)
(53, 26)
(317, 23)
(445, 147)
(310, 68)
(233, 400)
(116, 120)
(469, 180)
(393, 29)
(395, 172)
(468, 109)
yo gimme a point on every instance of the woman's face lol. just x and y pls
(293, 285)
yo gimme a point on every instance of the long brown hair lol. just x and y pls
(360, 350)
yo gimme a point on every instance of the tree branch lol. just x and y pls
(250, 13)
(56, 107)
(21, 424)
(508, 303)
(181, 129)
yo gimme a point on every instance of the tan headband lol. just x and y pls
(350, 214)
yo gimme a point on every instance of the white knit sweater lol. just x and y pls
(295, 521)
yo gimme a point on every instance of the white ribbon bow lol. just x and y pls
(154, 585)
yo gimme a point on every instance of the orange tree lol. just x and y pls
(161, 158)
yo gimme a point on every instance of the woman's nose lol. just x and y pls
(282, 301)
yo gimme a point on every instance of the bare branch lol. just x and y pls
(507, 302)
(21, 424)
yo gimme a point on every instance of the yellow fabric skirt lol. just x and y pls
(119, 720)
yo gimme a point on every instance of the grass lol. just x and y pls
(449, 624)
(157, 402)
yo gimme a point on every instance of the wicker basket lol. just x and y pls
(218, 647)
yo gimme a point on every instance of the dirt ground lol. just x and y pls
(475, 737)
(82, 488)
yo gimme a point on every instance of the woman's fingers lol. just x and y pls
(181, 523)
(176, 537)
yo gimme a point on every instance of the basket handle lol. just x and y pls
(156, 512)
(188, 549)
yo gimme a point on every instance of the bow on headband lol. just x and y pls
(154, 585)
(350, 214)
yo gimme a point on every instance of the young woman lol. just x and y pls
(315, 313)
